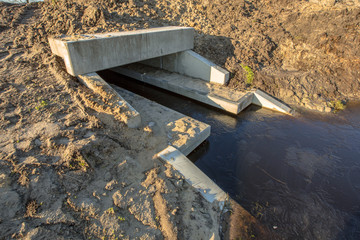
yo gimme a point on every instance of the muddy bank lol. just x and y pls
(69, 168)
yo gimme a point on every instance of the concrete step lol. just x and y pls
(93, 52)
(216, 95)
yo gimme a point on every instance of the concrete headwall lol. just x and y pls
(95, 52)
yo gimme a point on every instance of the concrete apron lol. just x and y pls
(181, 142)
(175, 153)
(215, 95)
(182, 132)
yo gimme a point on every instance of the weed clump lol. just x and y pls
(31, 209)
(249, 75)
(78, 163)
(337, 105)
(42, 104)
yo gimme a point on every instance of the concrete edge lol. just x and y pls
(193, 175)
(223, 104)
(94, 82)
(194, 142)
(55, 46)
(61, 49)
(96, 36)
(245, 101)
(219, 75)
(265, 100)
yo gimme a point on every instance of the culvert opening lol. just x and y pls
(283, 170)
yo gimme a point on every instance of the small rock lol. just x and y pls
(179, 183)
(107, 176)
(327, 109)
(110, 185)
(37, 142)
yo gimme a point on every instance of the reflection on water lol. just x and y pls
(299, 175)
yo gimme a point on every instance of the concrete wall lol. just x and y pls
(193, 175)
(96, 52)
(191, 64)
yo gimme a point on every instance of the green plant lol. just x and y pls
(121, 219)
(110, 211)
(42, 104)
(337, 105)
(249, 74)
(78, 163)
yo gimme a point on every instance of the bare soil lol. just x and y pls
(71, 170)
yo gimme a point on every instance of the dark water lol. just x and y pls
(300, 176)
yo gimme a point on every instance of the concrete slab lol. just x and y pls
(182, 132)
(193, 175)
(116, 103)
(191, 64)
(215, 95)
(94, 52)
(212, 94)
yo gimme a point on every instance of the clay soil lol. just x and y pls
(70, 169)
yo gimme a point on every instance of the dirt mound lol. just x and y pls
(305, 53)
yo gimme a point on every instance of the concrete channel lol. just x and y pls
(161, 57)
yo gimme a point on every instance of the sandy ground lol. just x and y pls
(71, 170)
